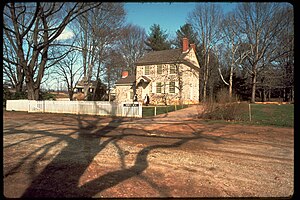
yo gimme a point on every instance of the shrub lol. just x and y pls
(10, 95)
(47, 96)
(223, 108)
(20, 95)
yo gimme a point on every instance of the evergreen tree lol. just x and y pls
(185, 31)
(157, 39)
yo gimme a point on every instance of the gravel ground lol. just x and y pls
(56, 155)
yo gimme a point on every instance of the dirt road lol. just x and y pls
(56, 155)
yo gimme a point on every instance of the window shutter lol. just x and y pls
(153, 87)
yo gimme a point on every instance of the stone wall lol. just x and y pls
(189, 85)
(123, 93)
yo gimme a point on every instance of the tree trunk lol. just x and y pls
(85, 92)
(204, 90)
(32, 91)
(19, 87)
(20, 80)
(200, 86)
(230, 83)
(205, 78)
(264, 95)
(180, 84)
(253, 88)
(71, 93)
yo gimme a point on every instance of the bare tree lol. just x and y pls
(283, 57)
(99, 28)
(206, 19)
(12, 71)
(231, 42)
(69, 70)
(31, 28)
(113, 69)
(132, 45)
(260, 24)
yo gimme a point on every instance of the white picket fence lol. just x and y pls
(102, 108)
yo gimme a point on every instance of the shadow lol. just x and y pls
(60, 178)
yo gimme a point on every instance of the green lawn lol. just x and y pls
(271, 114)
(149, 110)
(261, 114)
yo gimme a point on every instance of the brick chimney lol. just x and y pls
(194, 47)
(124, 74)
(185, 44)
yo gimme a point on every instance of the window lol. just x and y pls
(172, 87)
(159, 69)
(172, 69)
(147, 70)
(158, 87)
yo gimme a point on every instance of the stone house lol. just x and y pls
(168, 77)
(125, 87)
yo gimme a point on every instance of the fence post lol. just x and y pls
(154, 110)
(250, 112)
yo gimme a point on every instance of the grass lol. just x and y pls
(272, 114)
(261, 114)
(148, 111)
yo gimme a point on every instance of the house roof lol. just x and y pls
(161, 57)
(128, 80)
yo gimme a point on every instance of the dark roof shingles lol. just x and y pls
(160, 57)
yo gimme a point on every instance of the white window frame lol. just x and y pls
(170, 87)
(160, 87)
(172, 65)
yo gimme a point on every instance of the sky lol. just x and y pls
(170, 16)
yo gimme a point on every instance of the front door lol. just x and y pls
(145, 89)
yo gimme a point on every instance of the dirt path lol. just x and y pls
(54, 155)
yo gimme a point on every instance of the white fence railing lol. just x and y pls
(102, 108)
(17, 105)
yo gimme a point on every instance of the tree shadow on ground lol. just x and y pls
(60, 178)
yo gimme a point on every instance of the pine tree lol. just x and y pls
(185, 31)
(157, 39)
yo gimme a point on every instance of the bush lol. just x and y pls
(9, 95)
(224, 108)
(20, 95)
(47, 96)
